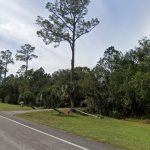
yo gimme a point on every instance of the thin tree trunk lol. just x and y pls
(72, 66)
(26, 69)
(72, 79)
(5, 72)
(27, 64)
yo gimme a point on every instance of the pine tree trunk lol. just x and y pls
(72, 80)
(26, 69)
(5, 72)
(72, 67)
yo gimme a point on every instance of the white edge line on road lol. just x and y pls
(62, 140)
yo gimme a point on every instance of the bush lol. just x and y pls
(28, 98)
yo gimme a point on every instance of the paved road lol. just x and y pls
(18, 134)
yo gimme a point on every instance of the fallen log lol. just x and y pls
(84, 113)
(60, 113)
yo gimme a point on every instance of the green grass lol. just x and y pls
(146, 121)
(123, 134)
(10, 107)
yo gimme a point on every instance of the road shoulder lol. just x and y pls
(90, 144)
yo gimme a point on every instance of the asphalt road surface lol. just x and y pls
(18, 134)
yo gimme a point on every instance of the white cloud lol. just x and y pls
(17, 27)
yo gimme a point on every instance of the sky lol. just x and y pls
(122, 24)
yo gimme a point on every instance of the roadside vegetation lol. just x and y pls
(10, 107)
(118, 86)
(123, 134)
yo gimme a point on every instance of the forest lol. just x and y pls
(118, 86)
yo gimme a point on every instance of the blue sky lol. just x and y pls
(122, 24)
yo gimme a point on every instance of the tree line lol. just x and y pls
(66, 22)
(25, 54)
(118, 85)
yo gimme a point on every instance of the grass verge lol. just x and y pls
(123, 134)
(10, 107)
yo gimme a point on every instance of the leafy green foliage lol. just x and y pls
(118, 86)
(28, 98)
(125, 79)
